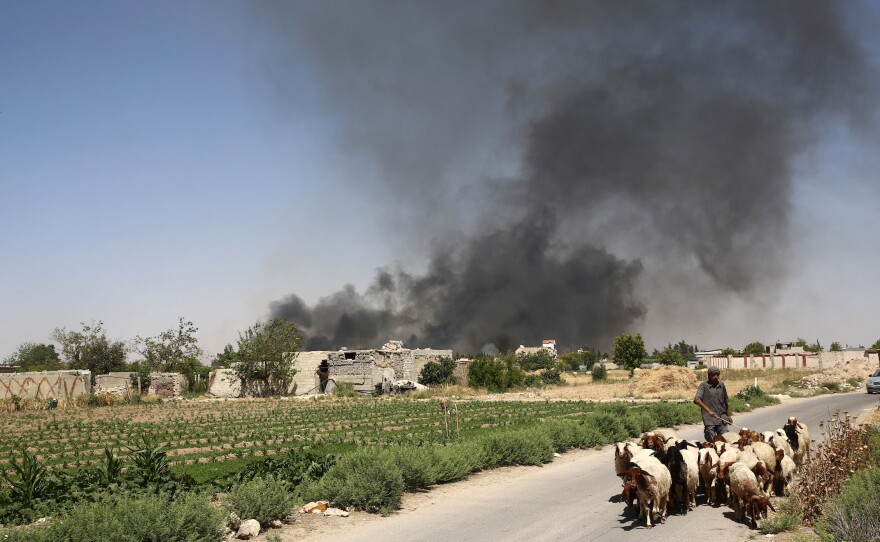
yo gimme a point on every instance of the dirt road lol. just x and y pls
(573, 498)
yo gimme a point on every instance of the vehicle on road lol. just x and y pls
(873, 382)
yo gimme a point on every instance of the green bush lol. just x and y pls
(437, 373)
(522, 447)
(263, 499)
(551, 377)
(417, 464)
(365, 479)
(599, 372)
(853, 514)
(454, 462)
(542, 359)
(148, 518)
(495, 374)
(608, 425)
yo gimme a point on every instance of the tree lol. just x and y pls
(629, 350)
(224, 359)
(753, 349)
(835, 347)
(91, 349)
(173, 350)
(729, 352)
(496, 374)
(542, 359)
(687, 351)
(438, 372)
(265, 356)
(35, 357)
(670, 356)
(876, 345)
(571, 361)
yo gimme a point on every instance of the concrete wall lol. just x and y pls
(46, 384)
(115, 383)
(766, 361)
(306, 379)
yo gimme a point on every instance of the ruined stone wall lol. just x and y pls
(46, 384)
(306, 379)
(168, 385)
(421, 356)
(117, 383)
(224, 383)
(356, 368)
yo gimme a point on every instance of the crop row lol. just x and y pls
(218, 431)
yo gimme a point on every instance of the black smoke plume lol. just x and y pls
(670, 127)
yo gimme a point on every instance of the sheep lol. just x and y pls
(624, 453)
(780, 442)
(683, 464)
(799, 437)
(766, 454)
(730, 437)
(749, 435)
(706, 460)
(783, 474)
(747, 496)
(652, 482)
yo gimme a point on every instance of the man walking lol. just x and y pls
(712, 398)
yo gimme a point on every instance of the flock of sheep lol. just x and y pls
(739, 469)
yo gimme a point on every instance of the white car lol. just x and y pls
(873, 383)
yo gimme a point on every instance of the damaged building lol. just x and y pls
(368, 371)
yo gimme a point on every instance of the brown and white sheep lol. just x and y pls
(747, 495)
(707, 459)
(652, 482)
(783, 474)
(798, 435)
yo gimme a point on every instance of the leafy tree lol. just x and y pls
(670, 356)
(729, 352)
(35, 357)
(876, 345)
(264, 360)
(91, 349)
(687, 351)
(438, 372)
(173, 350)
(542, 359)
(835, 347)
(629, 350)
(754, 349)
(224, 359)
(495, 373)
(571, 361)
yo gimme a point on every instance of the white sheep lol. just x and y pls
(783, 474)
(780, 442)
(708, 457)
(767, 455)
(652, 481)
(746, 494)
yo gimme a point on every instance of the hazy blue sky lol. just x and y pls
(166, 159)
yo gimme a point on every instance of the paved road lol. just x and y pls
(576, 498)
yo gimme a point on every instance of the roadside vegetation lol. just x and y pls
(836, 496)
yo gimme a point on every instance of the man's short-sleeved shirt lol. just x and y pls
(714, 397)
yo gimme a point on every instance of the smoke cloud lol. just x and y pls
(665, 127)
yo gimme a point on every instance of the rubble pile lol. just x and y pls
(839, 375)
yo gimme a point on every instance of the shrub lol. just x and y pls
(608, 425)
(454, 462)
(416, 465)
(542, 359)
(495, 374)
(523, 447)
(131, 519)
(533, 381)
(263, 499)
(438, 373)
(551, 377)
(345, 389)
(365, 480)
(599, 372)
(853, 514)
(787, 519)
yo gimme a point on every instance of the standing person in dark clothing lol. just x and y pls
(712, 398)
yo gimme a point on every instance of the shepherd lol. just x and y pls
(712, 398)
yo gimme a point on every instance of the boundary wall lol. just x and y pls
(46, 384)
